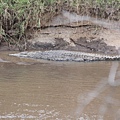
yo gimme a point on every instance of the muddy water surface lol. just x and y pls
(54, 91)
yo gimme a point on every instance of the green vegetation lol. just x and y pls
(17, 16)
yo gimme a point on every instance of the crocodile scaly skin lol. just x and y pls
(63, 55)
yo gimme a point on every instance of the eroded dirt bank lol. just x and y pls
(86, 39)
(69, 31)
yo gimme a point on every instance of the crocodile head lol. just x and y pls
(21, 54)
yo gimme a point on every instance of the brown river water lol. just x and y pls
(42, 90)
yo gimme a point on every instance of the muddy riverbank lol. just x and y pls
(69, 31)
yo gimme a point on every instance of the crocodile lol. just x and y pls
(64, 55)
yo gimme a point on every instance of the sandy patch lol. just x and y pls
(111, 37)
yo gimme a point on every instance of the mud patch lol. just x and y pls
(93, 45)
(84, 39)
(58, 43)
(82, 44)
